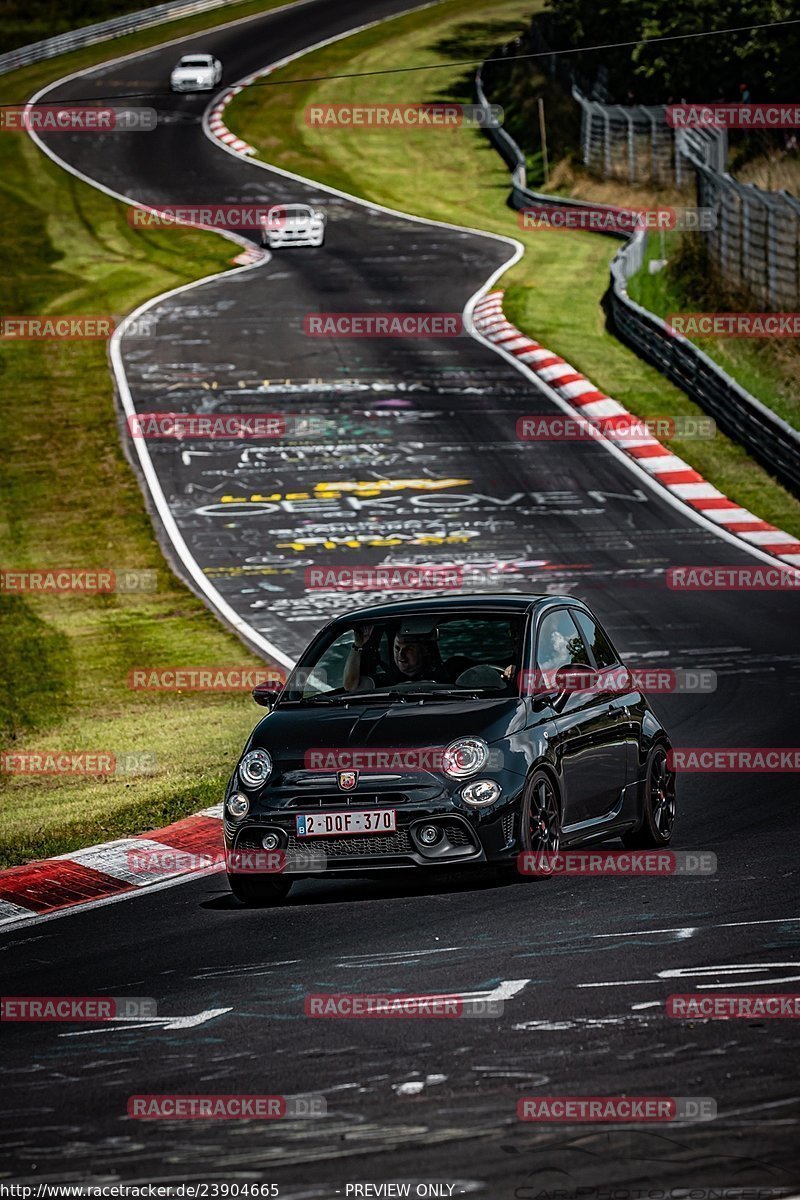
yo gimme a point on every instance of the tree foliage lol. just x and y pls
(702, 69)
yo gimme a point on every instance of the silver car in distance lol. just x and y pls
(292, 225)
(196, 73)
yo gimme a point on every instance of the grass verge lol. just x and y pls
(554, 292)
(767, 367)
(69, 498)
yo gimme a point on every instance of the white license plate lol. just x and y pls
(333, 824)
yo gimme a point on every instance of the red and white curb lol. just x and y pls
(602, 411)
(98, 873)
(252, 255)
(220, 129)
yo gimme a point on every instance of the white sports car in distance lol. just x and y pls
(196, 73)
(292, 225)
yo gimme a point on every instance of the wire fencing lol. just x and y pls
(770, 440)
(755, 244)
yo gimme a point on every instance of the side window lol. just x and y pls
(604, 653)
(559, 643)
(326, 676)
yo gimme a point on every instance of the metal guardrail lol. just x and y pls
(770, 440)
(503, 142)
(75, 39)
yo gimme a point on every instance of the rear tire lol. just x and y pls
(256, 891)
(658, 817)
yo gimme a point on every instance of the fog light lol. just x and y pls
(481, 793)
(237, 806)
(429, 835)
(270, 841)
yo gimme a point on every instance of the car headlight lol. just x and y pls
(464, 757)
(481, 793)
(255, 768)
(237, 806)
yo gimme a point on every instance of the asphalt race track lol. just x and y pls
(584, 965)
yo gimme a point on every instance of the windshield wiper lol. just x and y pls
(447, 693)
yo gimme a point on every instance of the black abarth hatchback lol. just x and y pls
(446, 732)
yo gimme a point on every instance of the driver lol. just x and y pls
(415, 656)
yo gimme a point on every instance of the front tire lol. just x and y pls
(541, 821)
(256, 891)
(658, 816)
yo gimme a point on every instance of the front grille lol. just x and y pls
(348, 800)
(374, 843)
(457, 834)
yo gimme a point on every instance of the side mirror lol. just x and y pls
(267, 693)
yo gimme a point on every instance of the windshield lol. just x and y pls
(195, 62)
(442, 655)
(290, 212)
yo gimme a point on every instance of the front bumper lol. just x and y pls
(287, 237)
(468, 835)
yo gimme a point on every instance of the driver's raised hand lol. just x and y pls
(362, 635)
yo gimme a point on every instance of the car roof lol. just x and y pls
(197, 54)
(498, 602)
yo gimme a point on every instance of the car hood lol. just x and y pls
(292, 735)
(192, 73)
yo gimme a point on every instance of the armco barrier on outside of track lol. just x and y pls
(770, 440)
(87, 35)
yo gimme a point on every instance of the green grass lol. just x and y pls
(767, 367)
(69, 498)
(554, 292)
